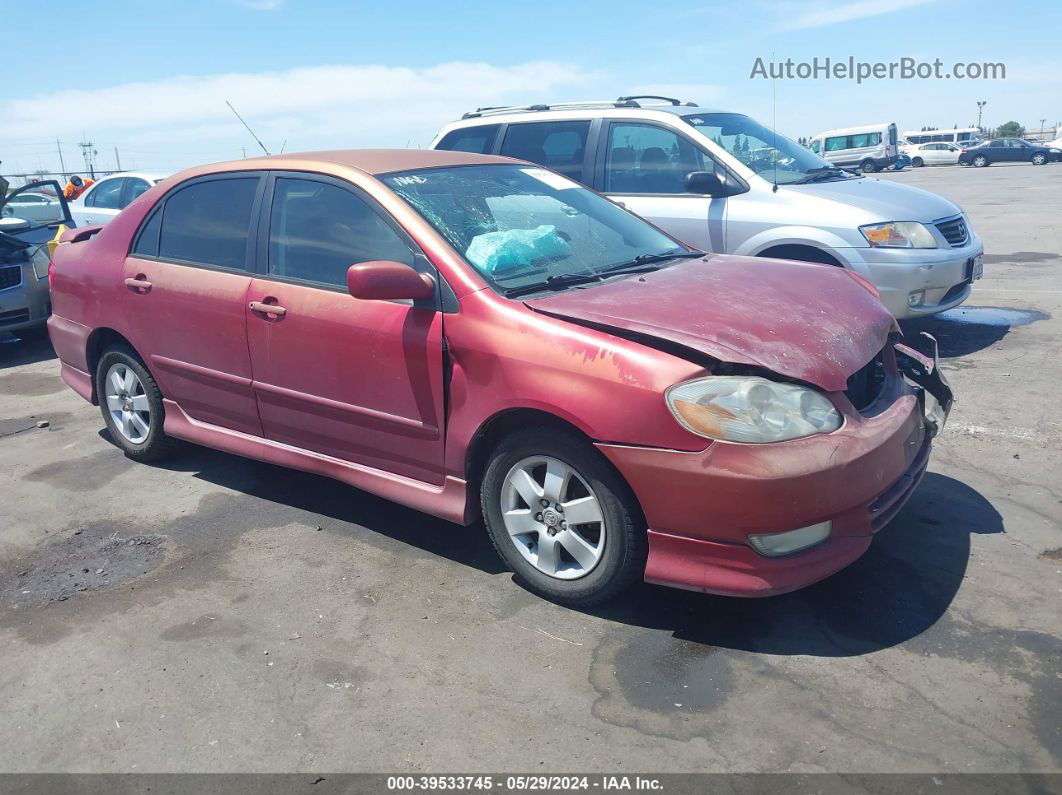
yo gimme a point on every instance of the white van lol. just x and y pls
(960, 135)
(869, 148)
(724, 183)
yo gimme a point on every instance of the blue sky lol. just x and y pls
(151, 78)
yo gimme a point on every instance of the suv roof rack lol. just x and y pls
(621, 102)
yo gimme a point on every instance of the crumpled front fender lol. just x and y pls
(922, 370)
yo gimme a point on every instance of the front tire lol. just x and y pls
(131, 403)
(1039, 159)
(869, 167)
(562, 518)
(918, 162)
(980, 161)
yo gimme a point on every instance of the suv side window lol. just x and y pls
(207, 223)
(318, 230)
(559, 145)
(479, 140)
(644, 158)
(107, 195)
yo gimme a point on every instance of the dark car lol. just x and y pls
(29, 218)
(1007, 150)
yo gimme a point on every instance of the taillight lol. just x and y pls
(51, 273)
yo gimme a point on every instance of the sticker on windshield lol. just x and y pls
(555, 181)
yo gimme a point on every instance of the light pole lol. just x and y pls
(1042, 123)
(980, 107)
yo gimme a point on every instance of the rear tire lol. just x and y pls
(980, 161)
(131, 403)
(917, 162)
(868, 167)
(562, 473)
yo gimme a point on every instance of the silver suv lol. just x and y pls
(723, 182)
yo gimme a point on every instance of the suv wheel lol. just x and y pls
(869, 167)
(980, 161)
(131, 403)
(561, 517)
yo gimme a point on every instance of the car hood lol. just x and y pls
(810, 322)
(888, 201)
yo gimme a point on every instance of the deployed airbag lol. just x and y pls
(498, 252)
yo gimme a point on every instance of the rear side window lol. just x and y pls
(147, 241)
(471, 139)
(207, 223)
(317, 231)
(107, 195)
(134, 186)
(560, 145)
(865, 139)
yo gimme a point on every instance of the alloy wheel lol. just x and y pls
(127, 403)
(553, 517)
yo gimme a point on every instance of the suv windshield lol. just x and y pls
(523, 227)
(771, 155)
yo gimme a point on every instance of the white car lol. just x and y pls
(934, 154)
(33, 206)
(1055, 144)
(109, 195)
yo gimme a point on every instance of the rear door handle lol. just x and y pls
(138, 284)
(265, 308)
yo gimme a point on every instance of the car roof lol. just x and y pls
(150, 176)
(369, 161)
(573, 110)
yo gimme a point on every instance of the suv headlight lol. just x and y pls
(899, 234)
(750, 409)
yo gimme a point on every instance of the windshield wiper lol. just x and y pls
(555, 281)
(649, 259)
(820, 174)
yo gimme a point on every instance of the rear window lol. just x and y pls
(479, 140)
(208, 223)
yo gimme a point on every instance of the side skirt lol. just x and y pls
(447, 501)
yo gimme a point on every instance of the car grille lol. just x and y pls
(866, 384)
(15, 316)
(10, 276)
(954, 230)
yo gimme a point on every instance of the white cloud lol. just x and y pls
(821, 14)
(184, 120)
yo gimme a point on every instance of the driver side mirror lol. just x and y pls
(385, 280)
(11, 224)
(707, 183)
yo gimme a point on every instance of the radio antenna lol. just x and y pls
(238, 116)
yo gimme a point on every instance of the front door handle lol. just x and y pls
(138, 284)
(267, 308)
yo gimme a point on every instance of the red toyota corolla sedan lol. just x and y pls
(478, 337)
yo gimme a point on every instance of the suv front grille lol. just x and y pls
(10, 276)
(954, 231)
(866, 383)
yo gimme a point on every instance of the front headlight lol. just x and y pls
(750, 409)
(899, 234)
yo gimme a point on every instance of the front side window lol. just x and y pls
(479, 140)
(766, 152)
(560, 145)
(522, 227)
(317, 231)
(644, 158)
(107, 195)
(208, 222)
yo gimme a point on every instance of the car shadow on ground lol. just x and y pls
(284, 495)
(896, 591)
(968, 329)
(15, 351)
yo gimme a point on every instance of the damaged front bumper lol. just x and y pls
(921, 369)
